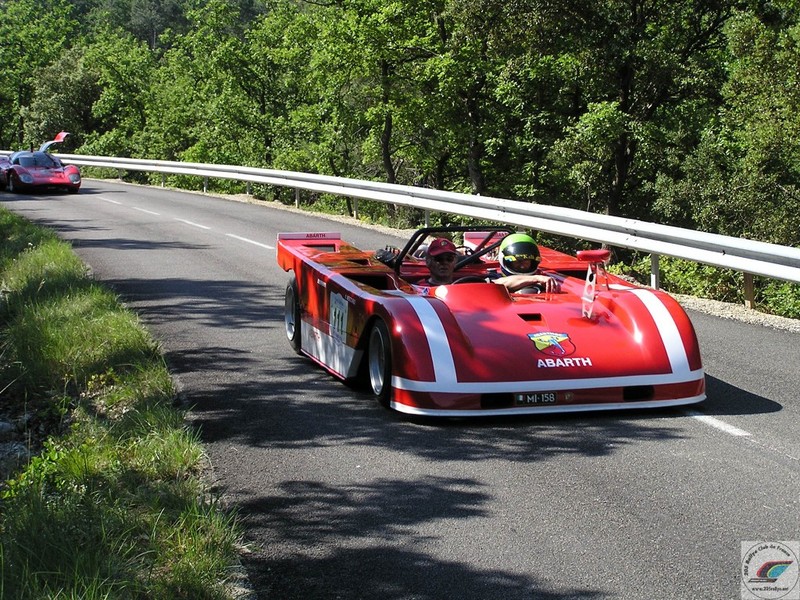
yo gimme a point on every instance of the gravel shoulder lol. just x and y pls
(737, 312)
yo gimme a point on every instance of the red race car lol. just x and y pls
(472, 348)
(39, 170)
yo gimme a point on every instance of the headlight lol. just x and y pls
(25, 178)
(75, 177)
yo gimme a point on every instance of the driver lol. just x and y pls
(441, 262)
(519, 259)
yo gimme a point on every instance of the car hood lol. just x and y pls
(485, 334)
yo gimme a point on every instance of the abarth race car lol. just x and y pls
(472, 348)
(39, 170)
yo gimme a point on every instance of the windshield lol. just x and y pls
(37, 159)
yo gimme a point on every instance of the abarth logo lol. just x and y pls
(552, 344)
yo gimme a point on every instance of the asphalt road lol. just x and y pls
(344, 499)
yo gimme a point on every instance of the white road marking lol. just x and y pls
(192, 223)
(718, 424)
(242, 239)
(741, 433)
(144, 210)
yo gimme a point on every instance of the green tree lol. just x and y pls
(63, 96)
(150, 18)
(33, 33)
(744, 178)
(219, 95)
(627, 77)
(124, 68)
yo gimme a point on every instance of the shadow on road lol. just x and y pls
(398, 574)
(726, 399)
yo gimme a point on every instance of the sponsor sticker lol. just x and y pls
(548, 363)
(770, 570)
(552, 343)
(339, 311)
(559, 348)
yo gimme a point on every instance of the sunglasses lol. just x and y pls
(447, 257)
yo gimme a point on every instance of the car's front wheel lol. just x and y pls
(10, 184)
(379, 362)
(292, 315)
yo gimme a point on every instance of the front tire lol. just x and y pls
(292, 315)
(379, 362)
(10, 184)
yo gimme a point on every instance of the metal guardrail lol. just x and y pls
(748, 256)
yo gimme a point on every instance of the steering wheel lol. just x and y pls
(470, 279)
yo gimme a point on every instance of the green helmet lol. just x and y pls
(516, 248)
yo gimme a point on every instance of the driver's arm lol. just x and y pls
(517, 282)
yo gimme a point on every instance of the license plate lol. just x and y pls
(534, 398)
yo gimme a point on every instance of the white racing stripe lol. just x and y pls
(532, 410)
(243, 239)
(540, 385)
(669, 332)
(444, 367)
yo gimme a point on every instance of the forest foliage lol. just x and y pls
(673, 111)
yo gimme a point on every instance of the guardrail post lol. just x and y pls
(119, 174)
(163, 180)
(248, 189)
(749, 291)
(355, 208)
(297, 197)
(427, 218)
(205, 184)
(655, 275)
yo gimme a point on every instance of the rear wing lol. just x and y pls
(310, 237)
(297, 245)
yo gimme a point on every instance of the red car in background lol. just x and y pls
(28, 170)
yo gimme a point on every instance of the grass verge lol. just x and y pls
(112, 503)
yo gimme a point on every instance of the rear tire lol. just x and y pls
(292, 315)
(10, 184)
(379, 362)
